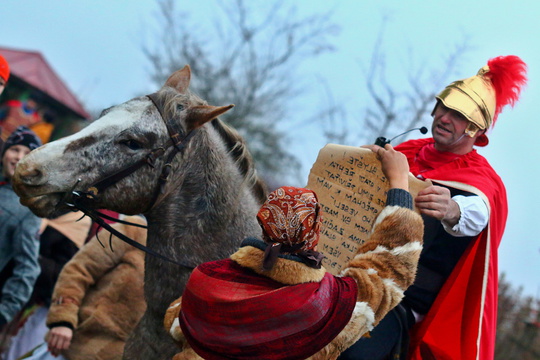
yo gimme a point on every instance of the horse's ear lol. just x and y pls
(200, 115)
(180, 79)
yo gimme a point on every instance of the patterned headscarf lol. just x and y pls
(291, 216)
(290, 219)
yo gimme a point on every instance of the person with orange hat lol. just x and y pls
(452, 305)
(4, 73)
(272, 299)
(4, 76)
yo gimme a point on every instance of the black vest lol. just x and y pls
(439, 256)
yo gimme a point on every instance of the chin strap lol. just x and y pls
(471, 130)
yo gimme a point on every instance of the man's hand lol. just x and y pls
(58, 339)
(436, 201)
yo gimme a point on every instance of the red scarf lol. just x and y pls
(428, 158)
(461, 324)
(230, 312)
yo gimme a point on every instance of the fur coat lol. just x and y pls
(383, 268)
(100, 294)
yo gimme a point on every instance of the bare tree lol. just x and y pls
(395, 109)
(518, 324)
(331, 116)
(396, 106)
(247, 58)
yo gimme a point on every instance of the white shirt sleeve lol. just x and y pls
(474, 216)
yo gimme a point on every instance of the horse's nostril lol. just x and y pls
(29, 175)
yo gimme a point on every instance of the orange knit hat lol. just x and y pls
(4, 68)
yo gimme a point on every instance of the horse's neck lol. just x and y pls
(206, 217)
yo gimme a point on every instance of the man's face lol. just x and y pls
(11, 157)
(448, 131)
(2, 85)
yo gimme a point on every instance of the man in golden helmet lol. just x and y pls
(450, 310)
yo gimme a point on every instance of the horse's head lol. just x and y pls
(133, 134)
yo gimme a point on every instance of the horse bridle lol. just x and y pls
(79, 200)
(176, 141)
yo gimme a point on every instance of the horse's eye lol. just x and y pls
(132, 144)
(179, 107)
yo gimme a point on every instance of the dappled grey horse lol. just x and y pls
(165, 155)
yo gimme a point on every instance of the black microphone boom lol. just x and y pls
(381, 140)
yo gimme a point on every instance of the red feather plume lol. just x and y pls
(508, 75)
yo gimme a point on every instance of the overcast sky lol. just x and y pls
(95, 47)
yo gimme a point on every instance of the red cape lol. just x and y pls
(462, 321)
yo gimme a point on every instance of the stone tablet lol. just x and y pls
(351, 188)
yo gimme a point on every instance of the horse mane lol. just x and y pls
(234, 142)
(239, 151)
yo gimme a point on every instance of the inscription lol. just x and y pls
(351, 188)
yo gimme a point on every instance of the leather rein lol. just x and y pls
(82, 200)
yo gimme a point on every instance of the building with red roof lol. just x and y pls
(31, 76)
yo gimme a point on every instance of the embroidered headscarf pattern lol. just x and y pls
(291, 216)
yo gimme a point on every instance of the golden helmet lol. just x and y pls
(473, 97)
(481, 97)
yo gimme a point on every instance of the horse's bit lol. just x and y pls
(80, 199)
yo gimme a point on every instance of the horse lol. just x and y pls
(168, 156)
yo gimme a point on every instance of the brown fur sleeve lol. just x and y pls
(172, 326)
(385, 265)
(170, 321)
(86, 268)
